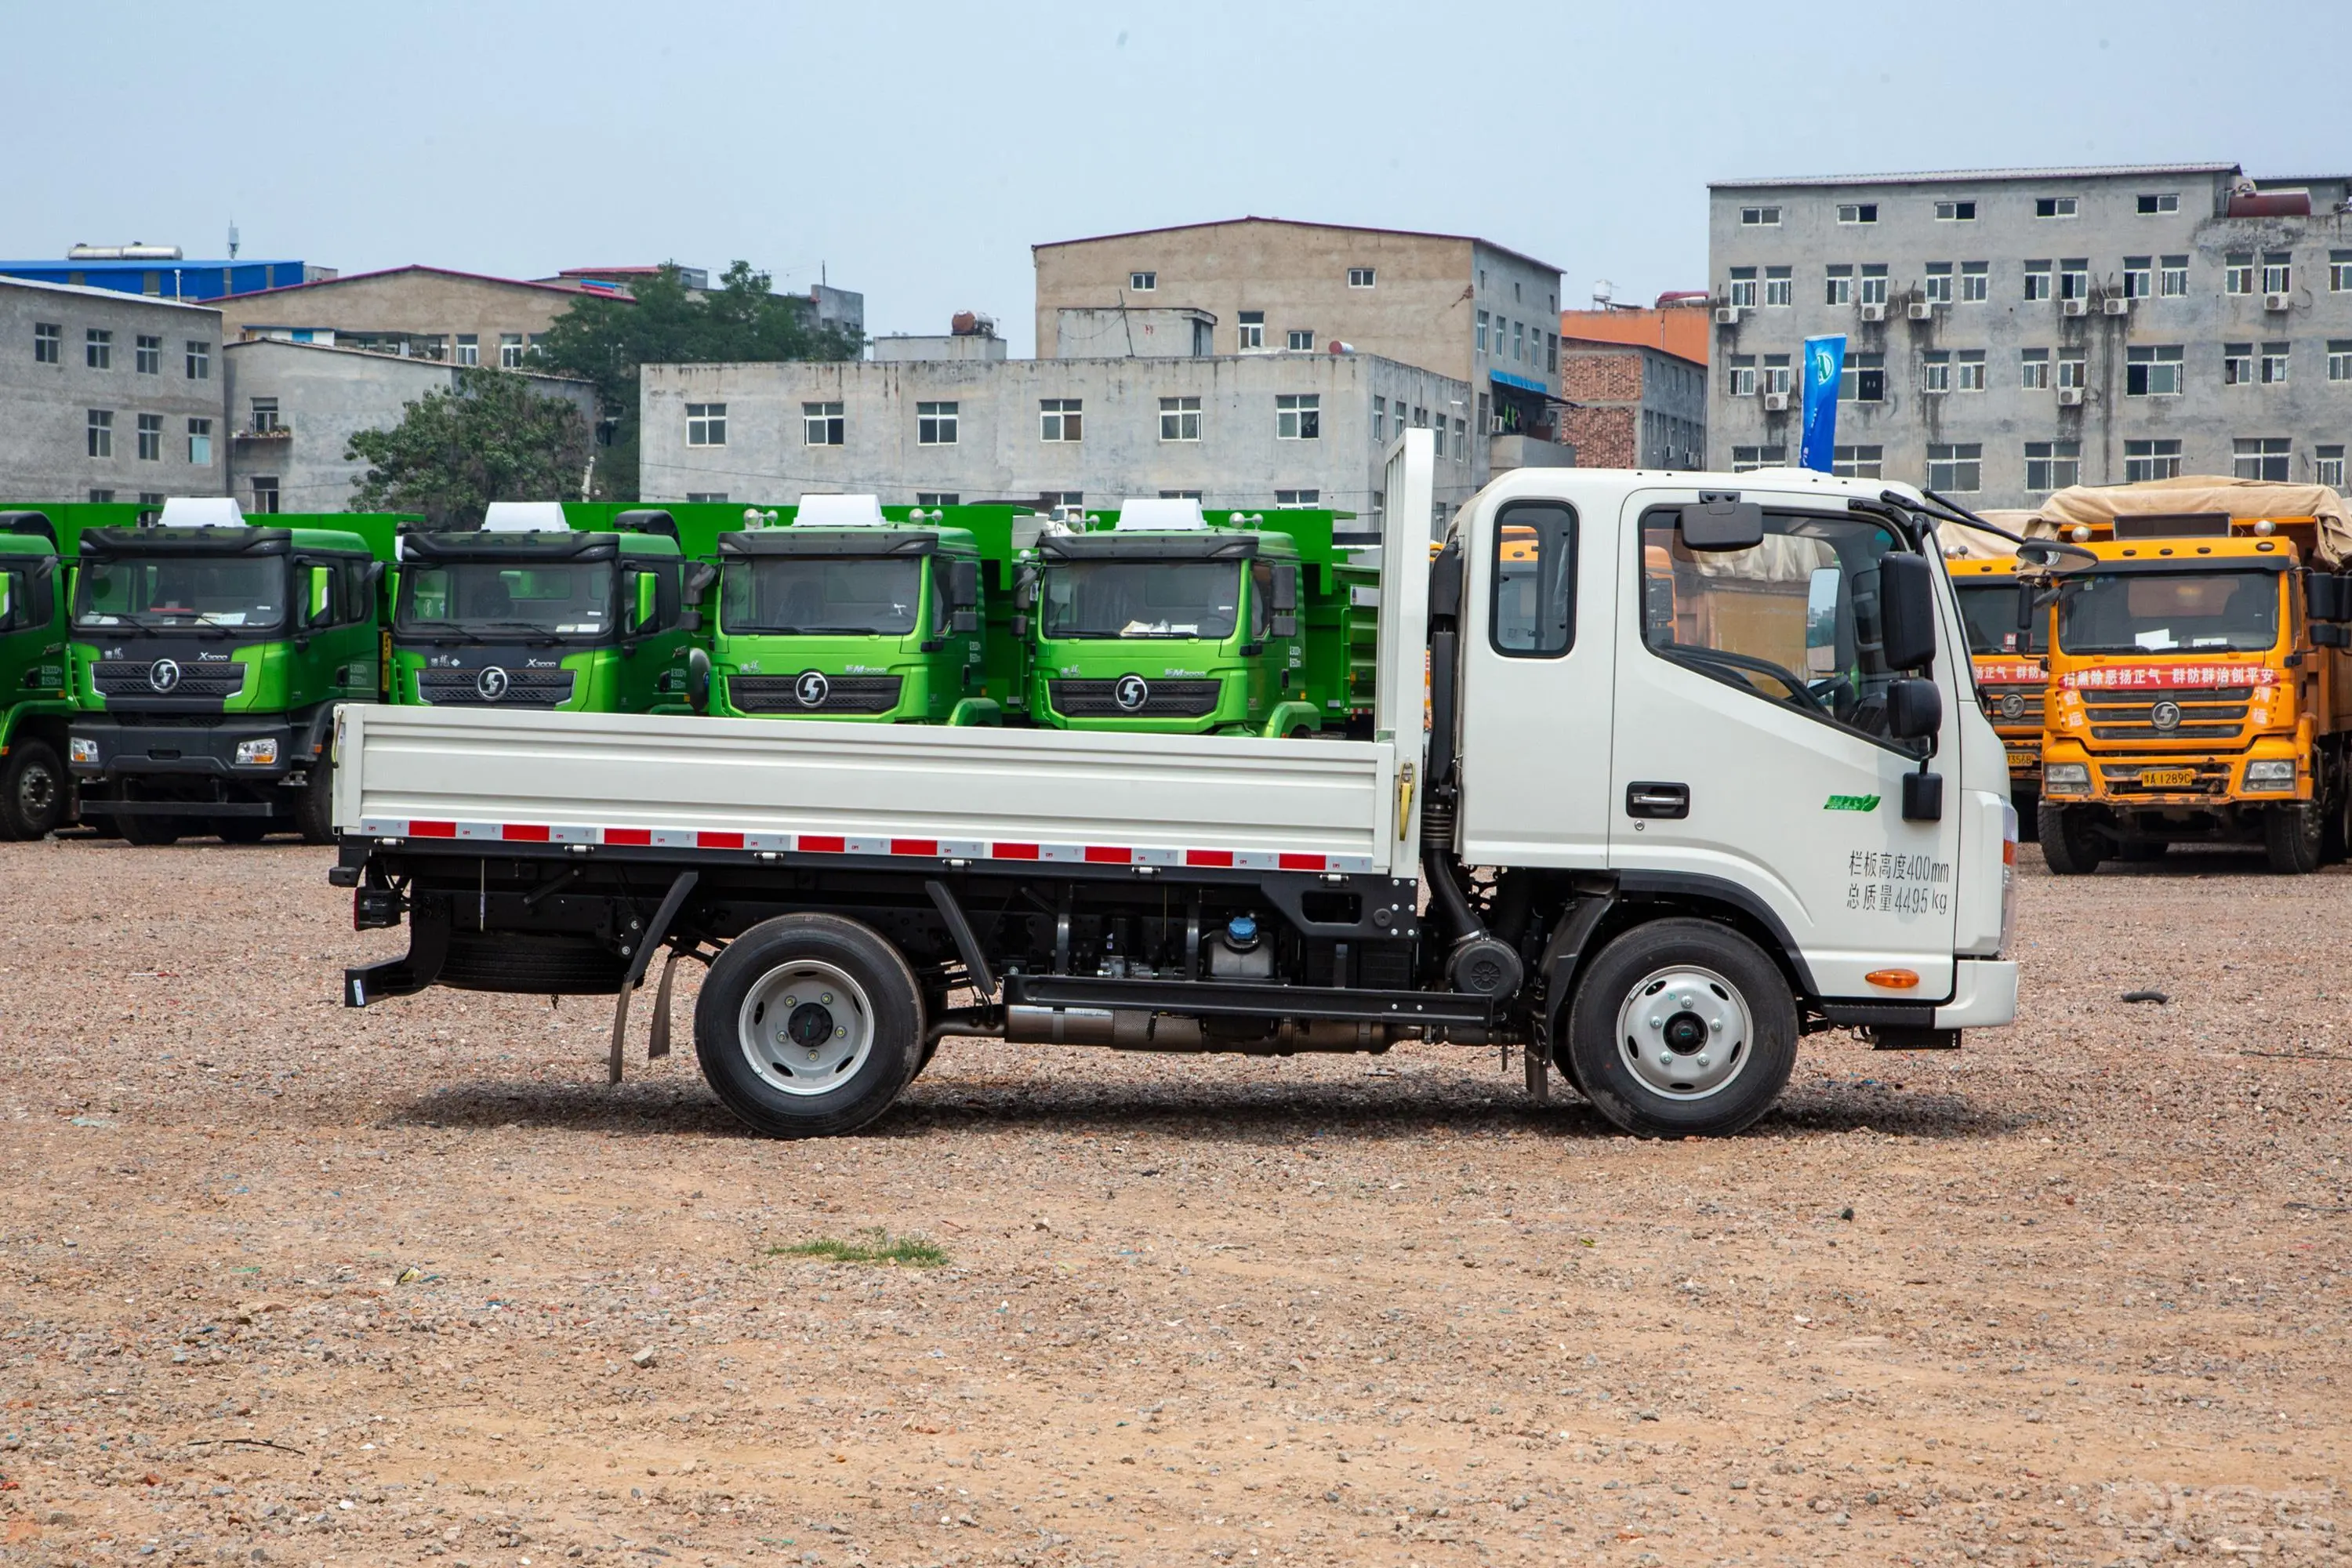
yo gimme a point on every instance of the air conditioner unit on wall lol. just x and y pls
(1776, 403)
(2073, 307)
(1726, 315)
(2070, 397)
(1923, 310)
(1873, 312)
(2116, 305)
(2278, 302)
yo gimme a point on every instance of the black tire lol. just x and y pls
(532, 964)
(2070, 845)
(33, 790)
(153, 832)
(314, 813)
(861, 988)
(240, 829)
(1746, 996)
(2292, 838)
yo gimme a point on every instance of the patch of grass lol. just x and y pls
(876, 1245)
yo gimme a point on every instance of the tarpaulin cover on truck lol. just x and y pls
(1962, 543)
(2194, 493)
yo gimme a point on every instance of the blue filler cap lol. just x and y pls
(1242, 928)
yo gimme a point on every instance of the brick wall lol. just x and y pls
(1601, 375)
(1604, 437)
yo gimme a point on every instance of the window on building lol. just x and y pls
(1858, 462)
(1380, 420)
(1252, 328)
(2037, 279)
(2278, 271)
(1064, 499)
(469, 348)
(1936, 371)
(1956, 468)
(101, 498)
(2153, 370)
(2266, 457)
(1863, 379)
(1780, 286)
(2074, 277)
(100, 430)
(98, 348)
(1298, 416)
(823, 425)
(2145, 461)
(1777, 373)
(1873, 283)
(935, 424)
(2238, 272)
(2054, 206)
(2173, 278)
(706, 425)
(2340, 359)
(510, 351)
(49, 340)
(1461, 440)
(1482, 332)
(2033, 369)
(707, 497)
(151, 437)
(2339, 271)
(1760, 217)
(1419, 418)
(1359, 277)
(200, 359)
(1179, 418)
(1968, 371)
(1744, 458)
(1143, 283)
(1975, 281)
(2151, 203)
(1519, 336)
(2327, 465)
(2071, 369)
(1956, 212)
(932, 498)
(147, 355)
(1298, 498)
(2237, 365)
(1937, 288)
(2052, 465)
(1195, 495)
(1742, 382)
(1551, 353)
(1857, 212)
(1302, 340)
(265, 495)
(151, 497)
(1060, 420)
(1741, 291)
(2273, 368)
(2138, 275)
(265, 415)
(200, 443)
(1837, 285)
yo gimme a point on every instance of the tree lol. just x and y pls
(489, 438)
(605, 341)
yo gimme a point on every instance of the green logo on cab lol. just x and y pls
(1851, 802)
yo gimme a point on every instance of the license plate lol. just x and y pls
(2168, 778)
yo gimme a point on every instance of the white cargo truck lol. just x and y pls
(1702, 772)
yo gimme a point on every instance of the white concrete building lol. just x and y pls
(108, 397)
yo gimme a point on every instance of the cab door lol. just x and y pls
(1750, 759)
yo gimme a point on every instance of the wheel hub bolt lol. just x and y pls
(1704, 1062)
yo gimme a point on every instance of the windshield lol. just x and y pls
(1989, 612)
(563, 599)
(162, 591)
(805, 595)
(2169, 612)
(1143, 599)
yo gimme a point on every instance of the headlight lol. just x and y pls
(2066, 778)
(81, 751)
(2271, 776)
(257, 753)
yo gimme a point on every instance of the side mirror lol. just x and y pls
(697, 681)
(318, 596)
(1721, 523)
(963, 586)
(1822, 590)
(1025, 590)
(645, 609)
(2029, 600)
(1020, 626)
(1915, 709)
(963, 620)
(2327, 597)
(1285, 595)
(1906, 612)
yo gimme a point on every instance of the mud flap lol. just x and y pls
(656, 934)
(658, 1036)
(428, 947)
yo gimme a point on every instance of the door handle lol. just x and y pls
(1657, 800)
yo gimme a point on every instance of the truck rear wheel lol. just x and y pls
(809, 1026)
(2070, 845)
(1683, 1027)
(32, 790)
(314, 813)
(2291, 837)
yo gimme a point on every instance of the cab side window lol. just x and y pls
(1533, 615)
(1261, 599)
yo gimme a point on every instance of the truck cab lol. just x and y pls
(2005, 646)
(35, 691)
(527, 613)
(843, 614)
(2197, 678)
(1168, 622)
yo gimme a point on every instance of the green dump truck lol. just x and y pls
(531, 612)
(36, 683)
(1157, 617)
(208, 655)
(845, 609)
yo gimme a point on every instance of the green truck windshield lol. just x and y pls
(162, 593)
(811, 596)
(1989, 612)
(2169, 612)
(1143, 599)
(564, 598)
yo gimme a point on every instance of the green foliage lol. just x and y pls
(605, 341)
(491, 437)
(877, 1246)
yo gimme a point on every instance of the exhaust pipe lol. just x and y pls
(1134, 1029)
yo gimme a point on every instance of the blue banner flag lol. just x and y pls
(1824, 363)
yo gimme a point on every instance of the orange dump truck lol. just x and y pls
(2201, 691)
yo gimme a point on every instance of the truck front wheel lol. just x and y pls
(32, 790)
(2291, 837)
(809, 1026)
(314, 809)
(2070, 845)
(1683, 1027)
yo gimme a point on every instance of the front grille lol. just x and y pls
(136, 678)
(843, 694)
(2029, 703)
(2206, 713)
(1099, 700)
(524, 688)
(2123, 780)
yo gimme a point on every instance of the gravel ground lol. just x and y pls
(285, 1283)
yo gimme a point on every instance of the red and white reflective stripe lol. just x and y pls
(859, 844)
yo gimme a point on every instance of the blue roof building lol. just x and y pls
(159, 271)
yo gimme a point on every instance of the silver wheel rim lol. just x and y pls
(1685, 1033)
(37, 791)
(807, 1028)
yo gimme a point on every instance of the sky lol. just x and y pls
(915, 151)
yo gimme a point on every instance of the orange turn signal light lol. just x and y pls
(1893, 979)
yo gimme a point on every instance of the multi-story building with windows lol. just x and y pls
(2011, 331)
(107, 395)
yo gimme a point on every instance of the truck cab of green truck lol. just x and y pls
(529, 611)
(208, 655)
(1170, 621)
(847, 613)
(35, 685)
